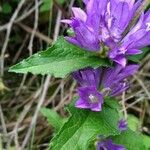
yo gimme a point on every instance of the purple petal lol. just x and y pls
(89, 98)
(85, 36)
(119, 89)
(113, 78)
(121, 14)
(81, 103)
(120, 59)
(147, 17)
(88, 77)
(133, 52)
(90, 6)
(113, 53)
(130, 3)
(127, 71)
(79, 13)
(145, 41)
(137, 26)
(72, 40)
(122, 125)
(86, 1)
(93, 21)
(109, 145)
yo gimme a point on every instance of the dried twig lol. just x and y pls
(33, 122)
(9, 26)
(3, 121)
(29, 12)
(123, 105)
(143, 86)
(21, 117)
(37, 34)
(56, 32)
(35, 27)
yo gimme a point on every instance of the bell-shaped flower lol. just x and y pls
(122, 125)
(95, 84)
(103, 24)
(85, 26)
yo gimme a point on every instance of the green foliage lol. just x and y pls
(146, 140)
(137, 58)
(130, 139)
(133, 122)
(112, 102)
(6, 8)
(83, 127)
(53, 118)
(59, 60)
(61, 2)
(46, 6)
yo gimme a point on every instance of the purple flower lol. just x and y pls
(86, 28)
(89, 98)
(116, 18)
(87, 77)
(122, 125)
(95, 84)
(109, 145)
(138, 37)
(113, 78)
(102, 26)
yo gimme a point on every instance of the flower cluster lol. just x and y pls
(95, 84)
(100, 28)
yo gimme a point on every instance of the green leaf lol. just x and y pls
(61, 2)
(137, 58)
(146, 140)
(53, 118)
(59, 60)
(133, 122)
(130, 140)
(83, 127)
(112, 102)
(46, 6)
(6, 8)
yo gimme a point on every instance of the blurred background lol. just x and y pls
(26, 27)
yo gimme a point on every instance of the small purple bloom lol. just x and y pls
(113, 78)
(122, 125)
(95, 84)
(89, 98)
(109, 145)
